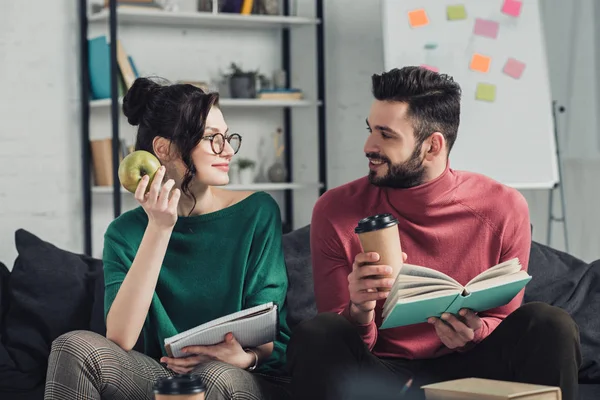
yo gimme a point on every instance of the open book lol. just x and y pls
(251, 328)
(420, 292)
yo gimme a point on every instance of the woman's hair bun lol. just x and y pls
(137, 98)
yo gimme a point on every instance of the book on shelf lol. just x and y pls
(280, 94)
(99, 68)
(420, 292)
(102, 166)
(251, 327)
(488, 389)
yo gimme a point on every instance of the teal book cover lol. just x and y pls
(409, 311)
(99, 67)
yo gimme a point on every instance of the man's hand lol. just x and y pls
(229, 351)
(456, 332)
(363, 288)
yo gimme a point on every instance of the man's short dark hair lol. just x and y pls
(433, 100)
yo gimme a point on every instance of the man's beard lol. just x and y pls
(399, 176)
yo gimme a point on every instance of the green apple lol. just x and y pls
(134, 166)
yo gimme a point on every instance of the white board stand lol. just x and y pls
(559, 186)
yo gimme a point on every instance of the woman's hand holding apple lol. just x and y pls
(160, 202)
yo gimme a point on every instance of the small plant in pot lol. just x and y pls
(246, 170)
(242, 84)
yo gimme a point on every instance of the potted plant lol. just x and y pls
(242, 84)
(246, 170)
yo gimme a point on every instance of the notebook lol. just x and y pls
(420, 293)
(251, 328)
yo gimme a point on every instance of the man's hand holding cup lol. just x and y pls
(376, 268)
(367, 283)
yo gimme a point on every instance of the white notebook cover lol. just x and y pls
(249, 331)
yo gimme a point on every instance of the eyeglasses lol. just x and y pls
(217, 142)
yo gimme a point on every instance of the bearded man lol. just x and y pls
(457, 222)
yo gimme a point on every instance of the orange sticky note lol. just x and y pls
(418, 18)
(480, 63)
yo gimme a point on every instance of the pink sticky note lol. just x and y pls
(512, 7)
(429, 67)
(514, 68)
(485, 27)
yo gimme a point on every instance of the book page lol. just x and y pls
(508, 267)
(418, 271)
(498, 281)
(222, 320)
(416, 292)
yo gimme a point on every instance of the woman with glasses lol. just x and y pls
(190, 253)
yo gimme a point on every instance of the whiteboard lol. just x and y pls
(509, 137)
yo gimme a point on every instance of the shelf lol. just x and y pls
(203, 19)
(253, 186)
(231, 103)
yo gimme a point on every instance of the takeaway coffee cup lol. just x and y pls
(179, 387)
(379, 233)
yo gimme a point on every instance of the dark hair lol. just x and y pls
(173, 111)
(433, 100)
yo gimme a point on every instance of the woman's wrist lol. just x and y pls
(158, 228)
(252, 360)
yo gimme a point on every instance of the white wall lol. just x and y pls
(354, 52)
(40, 186)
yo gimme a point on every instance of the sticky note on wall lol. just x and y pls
(512, 7)
(486, 92)
(480, 63)
(514, 68)
(417, 18)
(430, 67)
(486, 27)
(456, 12)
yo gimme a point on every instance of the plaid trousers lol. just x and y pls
(86, 366)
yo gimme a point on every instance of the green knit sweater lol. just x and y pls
(215, 264)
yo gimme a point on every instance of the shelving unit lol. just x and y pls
(254, 186)
(249, 103)
(298, 189)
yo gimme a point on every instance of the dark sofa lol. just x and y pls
(51, 291)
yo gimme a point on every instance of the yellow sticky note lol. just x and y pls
(418, 18)
(480, 63)
(486, 92)
(456, 12)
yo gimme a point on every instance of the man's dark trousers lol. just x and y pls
(537, 343)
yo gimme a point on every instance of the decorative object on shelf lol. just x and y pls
(246, 170)
(262, 7)
(242, 84)
(266, 7)
(279, 79)
(277, 172)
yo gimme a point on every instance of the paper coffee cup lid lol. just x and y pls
(375, 222)
(179, 384)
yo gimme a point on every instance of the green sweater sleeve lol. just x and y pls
(267, 279)
(115, 266)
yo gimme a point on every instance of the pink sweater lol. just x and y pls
(461, 223)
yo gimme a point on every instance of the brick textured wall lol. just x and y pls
(39, 124)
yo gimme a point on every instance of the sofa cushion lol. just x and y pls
(573, 285)
(300, 295)
(50, 292)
